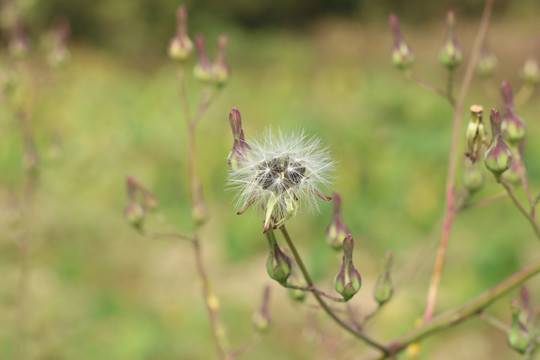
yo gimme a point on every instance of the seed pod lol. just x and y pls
(497, 157)
(278, 264)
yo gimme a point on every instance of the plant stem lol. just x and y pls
(210, 300)
(450, 87)
(522, 209)
(483, 202)
(313, 289)
(458, 315)
(452, 163)
(326, 308)
(523, 176)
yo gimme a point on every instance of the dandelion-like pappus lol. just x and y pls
(278, 172)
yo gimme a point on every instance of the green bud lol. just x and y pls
(203, 69)
(180, 46)
(220, 69)
(278, 264)
(296, 294)
(383, 288)
(512, 127)
(497, 157)
(336, 231)
(518, 336)
(134, 214)
(473, 177)
(347, 281)
(530, 72)
(261, 319)
(401, 54)
(487, 62)
(450, 54)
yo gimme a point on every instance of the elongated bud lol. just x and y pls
(402, 56)
(180, 45)
(450, 54)
(473, 177)
(498, 157)
(487, 62)
(59, 54)
(530, 71)
(476, 133)
(203, 68)
(518, 336)
(18, 42)
(220, 68)
(278, 264)
(241, 150)
(347, 281)
(383, 288)
(261, 319)
(134, 211)
(512, 127)
(296, 294)
(336, 232)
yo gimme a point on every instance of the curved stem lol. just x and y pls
(313, 289)
(321, 302)
(521, 208)
(452, 163)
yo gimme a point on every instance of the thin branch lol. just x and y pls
(484, 202)
(452, 163)
(326, 308)
(520, 207)
(493, 321)
(313, 289)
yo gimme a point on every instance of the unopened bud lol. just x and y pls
(513, 175)
(180, 45)
(487, 62)
(220, 68)
(450, 54)
(383, 288)
(134, 214)
(336, 232)
(278, 264)
(498, 157)
(473, 177)
(203, 68)
(241, 150)
(530, 71)
(261, 319)
(59, 54)
(347, 281)
(476, 133)
(518, 336)
(512, 127)
(296, 294)
(402, 56)
(18, 43)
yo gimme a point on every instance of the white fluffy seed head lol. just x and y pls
(290, 167)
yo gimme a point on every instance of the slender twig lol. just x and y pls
(523, 177)
(159, 235)
(425, 84)
(326, 308)
(483, 202)
(460, 314)
(208, 96)
(372, 314)
(520, 207)
(247, 346)
(450, 87)
(452, 163)
(493, 321)
(313, 289)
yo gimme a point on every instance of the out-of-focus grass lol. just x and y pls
(100, 290)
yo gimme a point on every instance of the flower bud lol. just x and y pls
(203, 68)
(383, 288)
(512, 127)
(261, 319)
(473, 177)
(18, 42)
(476, 133)
(402, 57)
(241, 149)
(180, 46)
(296, 294)
(134, 214)
(278, 264)
(487, 62)
(518, 336)
(220, 69)
(497, 157)
(336, 232)
(530, 71)
(59, 54)
(450, 54)
(512, 175)
(347, 281)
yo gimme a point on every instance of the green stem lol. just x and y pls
(520, 207)
(321, 302)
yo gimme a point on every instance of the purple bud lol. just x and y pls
(512, 127)
(336, 232)
(347, 281)
(487, 61)
(180, 46)
(261, 319)
(278, 264)
(220, 68)
(450, 54)
(241, 149)
(203, 68)
(402, 57)
(497, 157)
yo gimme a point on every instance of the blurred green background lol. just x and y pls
(99, 290)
